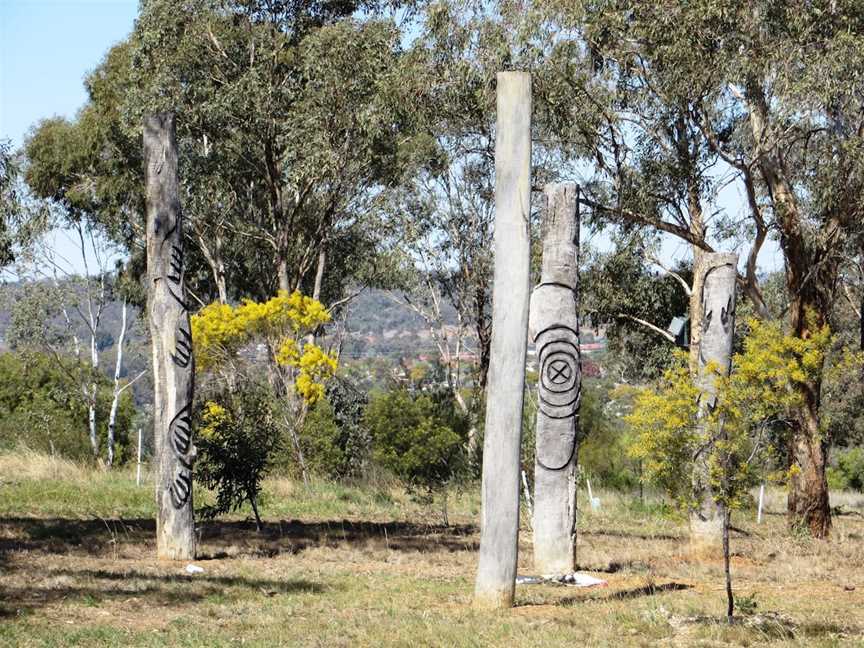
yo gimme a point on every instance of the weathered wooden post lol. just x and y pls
(499, 536)
(173, 363)
(554, 328)
(715, 348)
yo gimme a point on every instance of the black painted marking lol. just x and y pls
(183, 348)
(181, 489)
(180, 431)
(555, 283)
(560, 385)
(175, 263)
(183, 304)
(175, 225)
(558, 372)
(726, 314)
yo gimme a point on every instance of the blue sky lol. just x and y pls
(47, 47)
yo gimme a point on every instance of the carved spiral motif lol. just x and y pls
(560, 371)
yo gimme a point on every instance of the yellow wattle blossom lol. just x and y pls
(219, 331)
(766, 386)
(213, 418)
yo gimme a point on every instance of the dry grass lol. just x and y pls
(26, 464)
(339, 566)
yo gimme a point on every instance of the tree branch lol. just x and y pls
(649, 325)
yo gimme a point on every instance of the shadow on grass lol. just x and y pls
(121, 537)
(594, 595)
(634, 535)
(296, 536)
(159, 589)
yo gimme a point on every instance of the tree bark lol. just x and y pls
(808, 503)
(173, 362)
(282, 272)
(696, 308)
(811, 276)
(319, 274)
(215, 260)
(554, 328)
(718, 284)
(496, 573)
(115, 401)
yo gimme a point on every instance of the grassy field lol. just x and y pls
(340, 566)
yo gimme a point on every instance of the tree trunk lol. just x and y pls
(808, 504)
(254, 503)
(718, 281)
(319, 274)
(554, 329)
(92, 394)
(696, 309)
(282, 271)
(115, 401)
(173, 362)
(811, 275)
(91, 421)
(216, 262)
(727, 568)
(499, 535)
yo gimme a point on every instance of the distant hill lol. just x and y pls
(380, 325)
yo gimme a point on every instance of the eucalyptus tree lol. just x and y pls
(448, 206)
(292, 127)
(10, 199)
(633, 303)
(769, 93)
(300, 107)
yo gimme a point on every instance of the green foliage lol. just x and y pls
(334, 439)
(617, 287)
(761, 393)
(237, 438)
(603, 452)
(42, 408)
(10, 200)
(419, 437)
(849, 473)
(603, 439)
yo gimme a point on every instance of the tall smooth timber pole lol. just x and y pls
(173, 363)
(499, 534)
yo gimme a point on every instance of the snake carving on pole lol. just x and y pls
(173, 360)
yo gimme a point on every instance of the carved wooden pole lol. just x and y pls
(715, 347)
(554, 328)
(173, 363)
(496, 573)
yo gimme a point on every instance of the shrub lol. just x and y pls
(849, 473)
(41, 408)
(420, 438)
(237, 438)
(334, 440)
(836, 479)
(603, 440)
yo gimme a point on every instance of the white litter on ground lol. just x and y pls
(194, 569)
(571, 580)
(581, 580)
